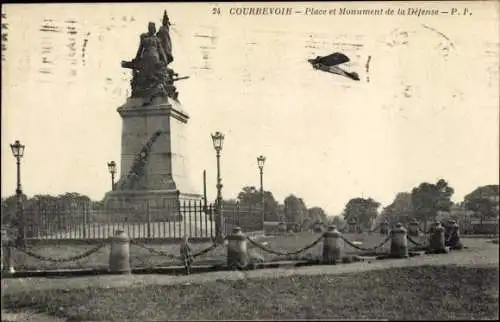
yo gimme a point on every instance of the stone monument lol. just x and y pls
(153, 144)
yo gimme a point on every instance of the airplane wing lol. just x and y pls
(339, 71)
(333, 59)
(333, 70)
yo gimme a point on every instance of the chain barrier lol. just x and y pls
(187, 256)
(62, 260)
(154, 251)
(450, 233)
(206, 250)
(423, 231)
(416, 243)
(366, 249)
(280, 253)
(367, 231)
(374, 229)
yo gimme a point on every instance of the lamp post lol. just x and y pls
(218, 140)
(260, 162)
(112, 170)
(18, 152)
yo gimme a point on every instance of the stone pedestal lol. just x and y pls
(163, 177)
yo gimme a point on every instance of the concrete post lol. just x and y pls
(447, 233)
(119, 255)
(282, 228)
(8, 258)
(454, 238)
(332, 246)
(237, 250)
(352, 226)
(399, 244)
(413, 228)
(384, 228)
(437, 240)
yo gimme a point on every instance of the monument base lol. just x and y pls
(148, 205)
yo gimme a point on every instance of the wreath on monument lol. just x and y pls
(132, 180)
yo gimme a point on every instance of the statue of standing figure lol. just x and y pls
(151, 75)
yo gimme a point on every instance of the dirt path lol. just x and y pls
(29, 317)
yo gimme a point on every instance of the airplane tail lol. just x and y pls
(354, 76)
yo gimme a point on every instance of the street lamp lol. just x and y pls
(18, 152)
(260, 162)
(112, 170)
(218, 140)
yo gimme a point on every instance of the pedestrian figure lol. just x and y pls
(186, 254)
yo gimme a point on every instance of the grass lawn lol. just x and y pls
(143, 258)
(425, 292)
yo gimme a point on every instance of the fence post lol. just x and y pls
(181, 217)
(196, 226)
(119, 255)
(205, 191)
(189, 214)
(205, 219)
(399, 244)
(88, 214)
(148, 214)
(332, 245)
(220, 226)
(212, 220)
(237, 250)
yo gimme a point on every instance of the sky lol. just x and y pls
(426, 106)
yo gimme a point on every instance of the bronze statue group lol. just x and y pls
(151, 75)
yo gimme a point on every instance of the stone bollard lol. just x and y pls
(237, 250)
(282, 228)
(447, 232)
(437, 240)
(318, 227)
(399, 244)
(413, 228)
(332, 245)
(352, 226)
(384, 228)
(454, 237)
(119, 255)
(8, 258)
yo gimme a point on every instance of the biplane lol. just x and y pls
(330, 64)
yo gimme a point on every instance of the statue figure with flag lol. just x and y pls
(151, 75)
